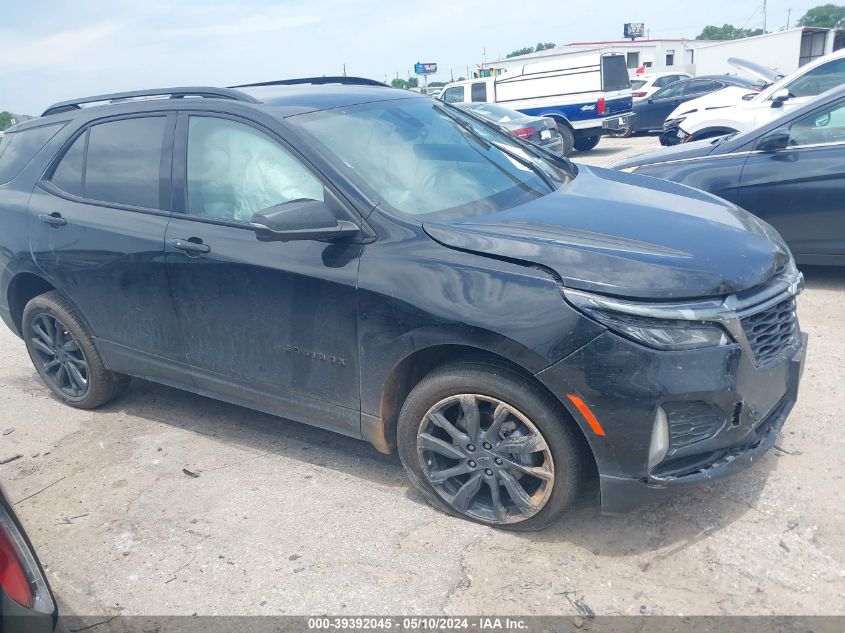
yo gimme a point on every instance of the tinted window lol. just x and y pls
(670, 91)
(18, 148)
(637, 84)
(68, 173)
(700, 87)
(819, 80)
(453, 95)
(124, 161)
(479, 92)
(235, 171)
(614, 73)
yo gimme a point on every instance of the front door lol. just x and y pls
(271, 325)
(98, 220)
(799, 190)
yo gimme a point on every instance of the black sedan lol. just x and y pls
(538, 130)
(26, 603)
(649, 114)
(789, 172)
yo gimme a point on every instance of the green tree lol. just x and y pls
(826, 16)
(726, 32)
(521, 51)
(413, 82)
(5, 120)
(542, 47)
(398, 83)
(437, 84)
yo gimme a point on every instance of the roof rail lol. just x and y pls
(347, 81)
(170, 93)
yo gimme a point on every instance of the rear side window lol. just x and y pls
(68, 173)
(123, 161)
(18, 148)
(479, 92)
(614, 73)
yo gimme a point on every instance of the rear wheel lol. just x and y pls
(568, 138)
(484, 443)
(624, 132)
(64, 354)
(586, 143)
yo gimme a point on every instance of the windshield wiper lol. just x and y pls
(466, 125)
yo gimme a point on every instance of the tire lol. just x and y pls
(451, 391)
(586, 143)
(568, 138)
(64, 353)
(625, 132)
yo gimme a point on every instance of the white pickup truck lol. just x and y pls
(586, 94)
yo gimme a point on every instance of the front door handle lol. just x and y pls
(54, 219)
(191, 245)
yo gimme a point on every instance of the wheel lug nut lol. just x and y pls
(471, 464)
(499, 461)
(470, 447)
(487, 446)
(488, 472)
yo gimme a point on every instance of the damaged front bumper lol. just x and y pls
(719, 408)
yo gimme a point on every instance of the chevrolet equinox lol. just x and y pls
(377, 263)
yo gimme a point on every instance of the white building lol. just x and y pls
(784, 51)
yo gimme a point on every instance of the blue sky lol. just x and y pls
(52, 50)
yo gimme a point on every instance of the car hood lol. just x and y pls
(627, 235)
(755, 70)
(727, 97)
(674, 152)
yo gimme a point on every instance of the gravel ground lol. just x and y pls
(285, 519)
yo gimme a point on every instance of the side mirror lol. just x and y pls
(779, 97)
(651, 99)
(301, 220)
(773, 141)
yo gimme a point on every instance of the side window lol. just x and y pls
(123, 163)
(819, 80)
(479, 92)
(18, 148)
(68, 173)
(827, 126)
(454, 94)
(671, 91)
(235, 171)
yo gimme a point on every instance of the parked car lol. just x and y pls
(698, 120)
(384, 265)
(789, 172)
(645, 85)
(586, 94)
(650, 113)
(538, 130)
(26, 601)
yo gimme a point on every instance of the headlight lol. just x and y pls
(670, 123)
(663, 334)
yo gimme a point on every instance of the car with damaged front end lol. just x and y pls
(383, 265)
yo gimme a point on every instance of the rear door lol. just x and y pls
(615, 84)
(98, 220)
(799, 190)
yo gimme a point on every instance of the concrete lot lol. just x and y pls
(285, 518)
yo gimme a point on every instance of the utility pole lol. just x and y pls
(764, 16)
(788, 15)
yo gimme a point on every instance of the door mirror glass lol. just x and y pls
(774, 141)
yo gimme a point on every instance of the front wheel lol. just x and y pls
(64, 354)
(489, 445)
(586, 143)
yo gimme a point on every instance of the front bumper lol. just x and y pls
(624, 383)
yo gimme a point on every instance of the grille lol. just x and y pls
(771, 332)
(691, 422)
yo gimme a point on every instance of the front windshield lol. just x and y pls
(423, 157)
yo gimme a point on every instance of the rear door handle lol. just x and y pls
(192, 245)
(53, 219)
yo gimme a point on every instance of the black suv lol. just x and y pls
(378, 263)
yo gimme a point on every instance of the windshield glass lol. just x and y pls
(423, 157)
